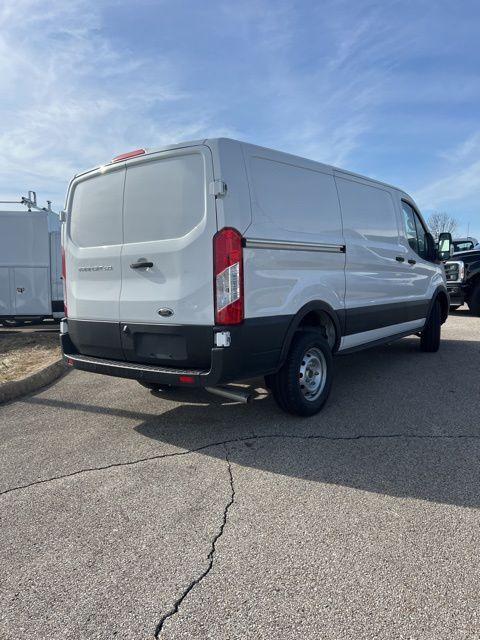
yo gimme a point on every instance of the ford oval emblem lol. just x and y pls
(165, 313)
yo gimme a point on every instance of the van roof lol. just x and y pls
(213, 141)
(303, 158)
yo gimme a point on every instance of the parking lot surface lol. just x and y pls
(129, 514)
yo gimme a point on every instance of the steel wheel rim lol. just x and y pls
(312, 375)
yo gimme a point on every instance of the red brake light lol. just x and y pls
(186, 379)
(228, 276)
(64, 278)
(129, 154)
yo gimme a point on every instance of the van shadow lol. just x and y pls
(462, 312)
(399, 422)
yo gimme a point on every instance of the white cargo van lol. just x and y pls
(217, 261)
(30, 267)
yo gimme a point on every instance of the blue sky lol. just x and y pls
(388, 89)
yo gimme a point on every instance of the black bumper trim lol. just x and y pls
(254, 351)
(147, 373)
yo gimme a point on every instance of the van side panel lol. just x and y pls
(6, 302)
(380, 298)
(24, 264)
(32, 291)
(293, 201)
(56, 268)
(371, 233)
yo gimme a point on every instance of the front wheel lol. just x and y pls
(474, 301)
(430, 336)
(302, 385)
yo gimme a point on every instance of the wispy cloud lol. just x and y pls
(460, 180)
(72, 99)
(322, 104)
(381, 88)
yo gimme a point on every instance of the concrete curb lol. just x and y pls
(15, 388)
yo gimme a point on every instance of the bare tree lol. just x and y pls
(441, 222)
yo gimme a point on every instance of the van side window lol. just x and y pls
(368, 212)
(415, 230)
(422, 243)
(410, 226)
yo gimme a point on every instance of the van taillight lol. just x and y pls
(228, 276)
(64, 278)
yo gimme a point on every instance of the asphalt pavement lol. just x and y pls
(130, 514)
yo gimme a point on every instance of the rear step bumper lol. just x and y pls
(146, 372)
(255, 350)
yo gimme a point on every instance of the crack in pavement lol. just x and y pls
(210, 557)
(274, 436)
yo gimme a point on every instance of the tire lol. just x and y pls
(474, 300)
(430, 337)
(13, 323)
(156, 387)
(309, 359)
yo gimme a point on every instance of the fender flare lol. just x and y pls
(337, 317)
(440, 292)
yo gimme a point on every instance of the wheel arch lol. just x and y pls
(315, 313)
(441, 294)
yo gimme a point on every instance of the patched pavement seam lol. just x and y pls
(273, 436)
(210, 557)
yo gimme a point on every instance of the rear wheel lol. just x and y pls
(302, 385)
(156, 387)
(12, 323)
(474, 300)
(430, 336)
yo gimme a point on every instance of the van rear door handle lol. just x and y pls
(412, 262)
(399, 258)
(141, 264)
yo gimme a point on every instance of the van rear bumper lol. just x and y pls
(149, 373)
(255, 350)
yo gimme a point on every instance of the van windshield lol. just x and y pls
(466, 245)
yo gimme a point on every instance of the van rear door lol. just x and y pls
(169, 221)
(93, 243)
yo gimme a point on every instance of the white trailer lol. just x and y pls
(31, 286)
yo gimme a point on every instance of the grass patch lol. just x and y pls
(25, 353)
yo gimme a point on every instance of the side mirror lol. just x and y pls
(444, 246)
(430, 248)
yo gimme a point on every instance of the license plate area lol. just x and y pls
(168, 345)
